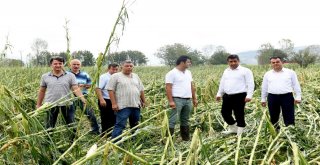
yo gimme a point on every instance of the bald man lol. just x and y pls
(84, 82)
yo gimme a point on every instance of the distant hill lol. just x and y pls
(250, 57)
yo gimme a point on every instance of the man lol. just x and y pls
(108, 118)
(180, 91)
(277, 86)
(236, 89)
(84, 83)
(126, 93)
(56, 87)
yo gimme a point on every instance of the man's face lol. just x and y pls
(233, 63)
(187, 64)
(56, 65)
(276, 64)
(127, 68)
(75, 66)
(113, 70)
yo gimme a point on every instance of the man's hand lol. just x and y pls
(195, 102)
(247, 100)
(297, 101)
(172, 104)
(84, 101)
(102, 103)
(115, 107)
(264, 104)
(38, 106)
(218, 98)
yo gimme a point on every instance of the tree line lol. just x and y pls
(212, 55)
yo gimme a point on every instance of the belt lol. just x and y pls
(182, 98)
(235, 94)
(280, 94)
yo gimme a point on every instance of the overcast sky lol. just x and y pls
(238, 25)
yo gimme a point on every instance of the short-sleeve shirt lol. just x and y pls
(58, 87)
(103, 81)
(83, 78)
(127, 89)
(181, 83)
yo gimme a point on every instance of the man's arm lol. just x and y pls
(143, 99)
(194, 96)
(250, 85)
(100, 97)
(76, 90)
(41, 94)
(113, 100)
(169, 95)
(220, 90)
(264, 90)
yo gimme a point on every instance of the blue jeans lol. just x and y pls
(121, 120)
(90, 115)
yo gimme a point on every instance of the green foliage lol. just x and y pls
(219, 57)
(85, 56)
(266, 51)
(170, 53)
(306, 56)
(38, 47)
(137, 57)
(7, 62)
(24, 140)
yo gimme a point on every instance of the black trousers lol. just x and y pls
(67, 113)
(286, 103)
(108, 118)
(234, 103)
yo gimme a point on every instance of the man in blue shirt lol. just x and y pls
(108, 118)
(84, 82)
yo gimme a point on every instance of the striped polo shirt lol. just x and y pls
(127, 89)
(58, 87)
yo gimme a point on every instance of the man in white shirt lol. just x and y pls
(180, 91)
(277, 86)
(108, 118)
(236, 89)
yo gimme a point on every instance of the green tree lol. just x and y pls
(137, 57)
(38, 46)
(219, 56)
(7, 62)
(266, 51)
(43, 59)
(85, 56)
(287, 46)
(170, 53)
(307, 56)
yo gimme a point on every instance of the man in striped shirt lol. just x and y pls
(126, 93)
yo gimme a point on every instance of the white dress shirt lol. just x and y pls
(282, 82)
(235, 81)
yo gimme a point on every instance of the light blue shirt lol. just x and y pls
(103, 81)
